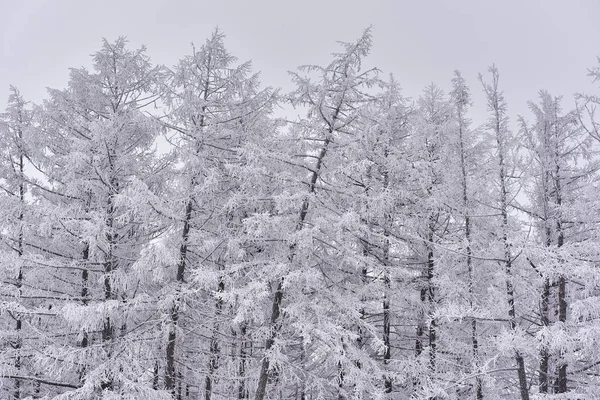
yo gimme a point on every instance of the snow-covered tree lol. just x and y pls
(15, 219)
(215, 107)
(504, 158)
(98, 163)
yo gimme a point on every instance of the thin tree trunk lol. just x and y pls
(19, 323)
(213, 362)
(183, 249)
(278, 297)
(543, 379)
(155, 376)
(85, 254)
(431, 300)
(110, 265)
(181, 269)
(544, 355)
(179, 385)
(523, 386)
(340, 380)
(85, 293)
(242, 392)
(264, 369)
(387, 355)
(494, 102)
(561, 386)
(420, 323)
(469, 252)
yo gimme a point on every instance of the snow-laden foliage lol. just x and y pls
(164, 236)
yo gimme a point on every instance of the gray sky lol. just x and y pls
(535, 43)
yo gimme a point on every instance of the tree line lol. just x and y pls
(164, 236)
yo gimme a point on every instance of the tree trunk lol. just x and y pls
(213, 362)
(264, 369)
(110, 265)
(523, 386)
(494, 100)
(544, 355)
(469, 251)
(19, 323)
(181, 269)
(431, 298)
(387, 355)
(561, 386)
(242, 392)
(278, 297)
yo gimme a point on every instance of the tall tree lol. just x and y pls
(214, 107)
(498, 126)
(557, 145)
(15, 124)
(465, 145)
(313, 271)
(98, 155)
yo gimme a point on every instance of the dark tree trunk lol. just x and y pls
(19, 323)
(544, 356)
(561, 386)
(278, 297)
(242, 392)
(181, 269)
(213, 362)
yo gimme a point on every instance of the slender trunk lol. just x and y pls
(179, 385)
(242, 392)
(387, 355)
(561, 381)
(213, 362)
(544, 355)
(303, 364)
(85, 254)
(523, 386)
(543, 379)
(85, 291)
(264, 369)
(19, 340)
(421, 322)
(155, 376)
(426, 294)
(431, 301)
(278, 297)
(110, 265)
(181, 269)
(561, 386)
(185, 237)
(340, 380)
(474, 336)
(85, 294)
(469, 252)
(19, 322)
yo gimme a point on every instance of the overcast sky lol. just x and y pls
(535, 43)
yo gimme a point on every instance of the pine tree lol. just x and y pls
(214, 107)
(498, 125)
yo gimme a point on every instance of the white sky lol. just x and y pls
(536, 44)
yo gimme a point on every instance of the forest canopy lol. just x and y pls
(166, 234)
